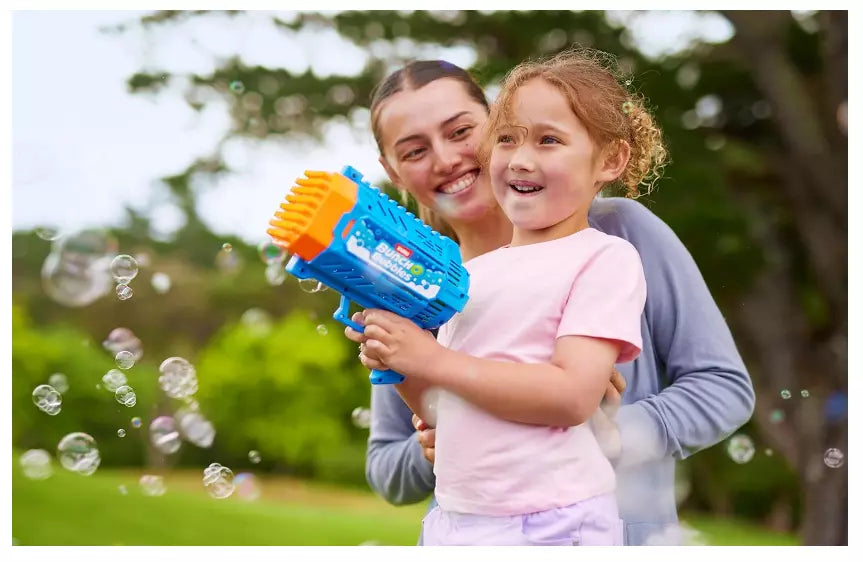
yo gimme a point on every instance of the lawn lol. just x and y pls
(69, 509)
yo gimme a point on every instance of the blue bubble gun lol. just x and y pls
(350, 236)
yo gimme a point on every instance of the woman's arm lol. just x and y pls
(395, 466)
(709, 394)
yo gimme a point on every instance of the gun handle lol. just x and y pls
(385, 377)
(341, 314)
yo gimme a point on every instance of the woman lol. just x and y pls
(689, 388)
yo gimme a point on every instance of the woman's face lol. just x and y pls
(429, 138)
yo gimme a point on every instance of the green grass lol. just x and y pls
(68, 509)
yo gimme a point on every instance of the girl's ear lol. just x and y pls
(391, 173)
(614, 157)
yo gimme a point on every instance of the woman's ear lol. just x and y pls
(615, 157)
(391, 173)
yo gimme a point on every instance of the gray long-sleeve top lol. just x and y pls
(686, 391)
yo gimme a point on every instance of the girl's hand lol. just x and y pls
(398, 343)
(354, 335)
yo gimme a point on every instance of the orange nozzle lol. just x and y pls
(304, 225)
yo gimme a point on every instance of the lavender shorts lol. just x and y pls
(592, 522)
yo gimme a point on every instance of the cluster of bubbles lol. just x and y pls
(76, 271)
(741, 449)
(152, 485)
(36, 464)
(79, 453)
(361, 417)
(126, 396)
(218, 480)
(254, 456)
(178, 378)
(124, 268)
(47, 399)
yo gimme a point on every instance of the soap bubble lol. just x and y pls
(121, 432)
(36, 464)
(113, 379)
(125, 395)
(77, 270)
(123, 339)
(160, 282)
(152, 485)
(124, 292)
(361, 417)
(136, 422)
(777, 416)
(257, 320)
(48, 232)
(804, 393)
(227, 261)
(254, 457)
(310, 285)
(59, 382)
(78, 453)
(122, 489)
(195, 428)
(125, 359)
(218, 480)
(164, 435)
(124, 268)
(237, 87)
(47, 399)
(247, 487)
(275, 273)
(178, 378)
(741, 449)
(271, 253)
(321, 329)
(785, 394)
(834, 458)
(226, 247)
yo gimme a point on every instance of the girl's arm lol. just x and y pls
(564, 393)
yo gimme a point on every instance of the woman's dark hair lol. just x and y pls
(414, 76)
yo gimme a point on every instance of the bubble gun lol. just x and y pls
(350, 236)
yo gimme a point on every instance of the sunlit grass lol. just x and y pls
(68, 509)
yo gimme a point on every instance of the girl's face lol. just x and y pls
(545, 169)
(429, 138)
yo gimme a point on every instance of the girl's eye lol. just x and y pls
(549, 140)
(505, 139)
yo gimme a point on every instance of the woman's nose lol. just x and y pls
(446, 158)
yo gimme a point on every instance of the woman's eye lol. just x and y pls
(413, 154)
(460, 132)
(549, 140)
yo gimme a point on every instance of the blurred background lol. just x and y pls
(151, 149)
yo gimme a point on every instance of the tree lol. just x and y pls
(757, 131)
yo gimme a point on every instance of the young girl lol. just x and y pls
(525, 365)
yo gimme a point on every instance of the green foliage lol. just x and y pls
(288, 392)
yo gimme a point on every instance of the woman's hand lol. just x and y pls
(602, 422)
(426, 437)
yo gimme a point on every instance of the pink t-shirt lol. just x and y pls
(521, 300)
